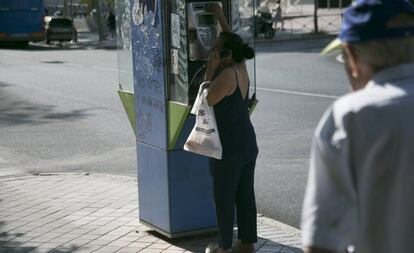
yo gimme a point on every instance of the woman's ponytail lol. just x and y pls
(240, 50)
(248, 52)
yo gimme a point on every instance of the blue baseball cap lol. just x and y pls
(367, 20)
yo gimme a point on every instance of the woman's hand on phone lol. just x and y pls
(216, 9)
(212, 64)
(219, 14)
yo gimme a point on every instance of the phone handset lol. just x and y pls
(224, 52)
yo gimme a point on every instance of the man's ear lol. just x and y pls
(351, 60)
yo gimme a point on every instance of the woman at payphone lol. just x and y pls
(233, 176)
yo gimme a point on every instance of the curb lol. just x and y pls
(23, 176)
(15, 177)
(296, 37)
(282, 226)
(299, 37)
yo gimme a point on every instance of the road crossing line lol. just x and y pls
(290, 92)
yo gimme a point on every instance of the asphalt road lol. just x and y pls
(59, 112)
(295, 86)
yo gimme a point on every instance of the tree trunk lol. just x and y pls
(315, 16)
(100, 23)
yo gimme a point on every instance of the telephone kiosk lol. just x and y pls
(171, 41)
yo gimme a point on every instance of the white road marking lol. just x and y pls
(106, 69)
(308, 94)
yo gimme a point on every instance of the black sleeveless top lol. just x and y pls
(237, 135)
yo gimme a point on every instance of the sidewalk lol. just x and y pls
(299, 25)
(98, 213)
(91, 39)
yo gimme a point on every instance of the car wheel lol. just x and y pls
(22, 44)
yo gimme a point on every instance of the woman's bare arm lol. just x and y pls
(222, 86)
(218, 12)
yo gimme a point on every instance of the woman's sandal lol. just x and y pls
(214, 248)
(243, 248)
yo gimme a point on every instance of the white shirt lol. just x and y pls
(360, 188)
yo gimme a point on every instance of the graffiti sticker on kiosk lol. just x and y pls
(207, 36)
(175, 30)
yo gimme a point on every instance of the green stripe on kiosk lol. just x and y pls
(128, 101)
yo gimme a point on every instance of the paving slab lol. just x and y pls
(98, 213)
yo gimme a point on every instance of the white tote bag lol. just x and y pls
(204, 138)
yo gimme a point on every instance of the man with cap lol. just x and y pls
(360, 191)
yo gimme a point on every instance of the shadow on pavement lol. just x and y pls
(13, 112)
(198, 243)
(194, 243)
(11, 242)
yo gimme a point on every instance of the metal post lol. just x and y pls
(65, 8)
(71, 9)
(73, 22)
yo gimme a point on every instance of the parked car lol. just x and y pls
(59, 29)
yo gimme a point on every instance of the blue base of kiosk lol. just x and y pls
(175, 192)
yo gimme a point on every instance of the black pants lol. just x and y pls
(234, 186)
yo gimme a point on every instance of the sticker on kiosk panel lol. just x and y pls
(175, 30)
(207, 36)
